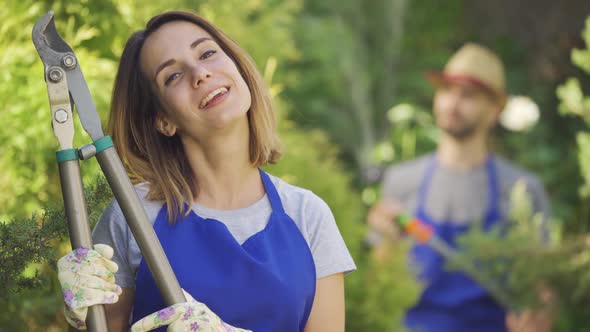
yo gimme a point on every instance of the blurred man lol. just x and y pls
(450, 189)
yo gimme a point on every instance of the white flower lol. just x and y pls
(401, 113)
(520, 113)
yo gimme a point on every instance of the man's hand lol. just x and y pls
(382, 218)
(540, 320)
(530, 321)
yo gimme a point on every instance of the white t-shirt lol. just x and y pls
(310, 213)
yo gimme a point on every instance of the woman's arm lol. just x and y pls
(327, 312)
(118, 313)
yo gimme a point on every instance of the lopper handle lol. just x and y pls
(137, 220)
(79, 227)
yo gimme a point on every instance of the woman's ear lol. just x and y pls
(165, 126)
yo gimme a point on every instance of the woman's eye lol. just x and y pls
(171, 78)
(207, 54)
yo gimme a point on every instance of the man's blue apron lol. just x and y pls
(451, 301)
(266, 284)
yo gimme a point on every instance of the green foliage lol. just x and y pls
(529, 256)
(361, 58)
(379, 292)
(581, 58)
(584, 159)
(573, 102)
(28, 241)
(28, 140)
(36, 309)
(415, 133)
(29, 249)
(549, 148)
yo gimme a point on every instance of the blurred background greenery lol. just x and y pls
(348, 79)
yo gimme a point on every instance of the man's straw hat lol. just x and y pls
(477, 65)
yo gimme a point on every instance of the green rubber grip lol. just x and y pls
(103, 143)
(66, 155)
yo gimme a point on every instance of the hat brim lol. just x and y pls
(439, 77)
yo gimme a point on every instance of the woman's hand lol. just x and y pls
(87, 278)
(187, 316)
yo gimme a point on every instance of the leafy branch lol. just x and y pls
(36, 240)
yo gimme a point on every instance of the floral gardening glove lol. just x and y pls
(186, 316)
(87, 278)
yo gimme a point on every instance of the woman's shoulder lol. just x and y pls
(309, 212)
(296, 198)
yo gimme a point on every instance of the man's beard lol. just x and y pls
(461, 133)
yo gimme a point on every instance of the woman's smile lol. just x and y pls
(214, 97)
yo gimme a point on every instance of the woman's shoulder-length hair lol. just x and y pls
(160, 160)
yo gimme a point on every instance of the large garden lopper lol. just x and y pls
(65, 87)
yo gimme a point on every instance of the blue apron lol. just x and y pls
(266, 284)
(452, 301)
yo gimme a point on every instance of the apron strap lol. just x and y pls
(271, 191)
(493, 212)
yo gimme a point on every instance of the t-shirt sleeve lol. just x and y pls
(392, 188)
(112, 230)
(401, 181)
(391, 184)
(327, 246)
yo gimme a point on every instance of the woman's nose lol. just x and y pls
(200, 74)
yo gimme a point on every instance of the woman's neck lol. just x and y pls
(225, 176)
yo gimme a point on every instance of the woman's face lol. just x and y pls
(198, 85)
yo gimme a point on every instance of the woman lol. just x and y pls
(193, 123)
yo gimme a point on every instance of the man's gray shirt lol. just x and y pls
(458, 195)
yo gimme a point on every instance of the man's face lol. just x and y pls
(463, 110)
